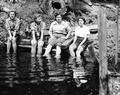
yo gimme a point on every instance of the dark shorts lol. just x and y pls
(36, 36)
(57, 40)
(79, 40)
(17, 36)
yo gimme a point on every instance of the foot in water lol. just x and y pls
(79, 60)
(38, 55)
(32, 55)
(57, 56)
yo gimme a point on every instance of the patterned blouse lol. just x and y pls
(12, 25)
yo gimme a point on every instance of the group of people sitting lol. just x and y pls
(59, 32)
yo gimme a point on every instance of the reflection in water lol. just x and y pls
(50, 75)
(78, 71)
(11, 67)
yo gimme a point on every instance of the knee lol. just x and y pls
(72, 47)
(40, 43)
(52, 41)
(59, 44)
(9, 39)
(13, 40)
(79, 49)
(58, 47)
(33, 42)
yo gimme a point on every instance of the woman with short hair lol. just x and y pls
(12, 25)
(59, 31)
(80, 40)
(37, 29)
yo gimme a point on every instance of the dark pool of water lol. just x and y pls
(22, 75)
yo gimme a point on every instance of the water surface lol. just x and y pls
(22, 75)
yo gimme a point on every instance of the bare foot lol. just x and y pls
(79, 60)
(38, 55)
(32, 55)
(57, 56)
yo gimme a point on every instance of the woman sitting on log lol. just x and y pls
(37, 29)
(12, 26)
(82, 33)
(59, 32)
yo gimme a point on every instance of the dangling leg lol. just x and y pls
(9, 44)
(40, 46)
(51, 42)
(58, 51)
(14, 45)
(71, 49)
(34, 44)
(33, 48)
(48, 49)
(78, 52)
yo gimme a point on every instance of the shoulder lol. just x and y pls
(54, 23)
(43, 23)
(77, 27)
(8, 19)
(32, 24)
(86, 27)
(17, 19)
(66, 23)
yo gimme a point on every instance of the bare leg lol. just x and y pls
(33, 48)
(48, 49)
(34, 44)
(14, 45)
(78, 52)
(8, 45)
(71, 49)
(58, 51)
(40, 46)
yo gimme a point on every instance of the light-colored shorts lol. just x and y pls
(57, 40)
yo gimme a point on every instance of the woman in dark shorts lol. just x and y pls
(37, 29)
(80, 40)
(12, 25)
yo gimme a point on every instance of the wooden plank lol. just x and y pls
(102, 52)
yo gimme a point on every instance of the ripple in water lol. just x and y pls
(25, 75)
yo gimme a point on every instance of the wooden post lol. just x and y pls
(102, 52)
(116, 36)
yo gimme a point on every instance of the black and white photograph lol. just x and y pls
(59, 47)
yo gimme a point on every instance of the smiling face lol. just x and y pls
(80, 21)
(58, 18)
(12, 15)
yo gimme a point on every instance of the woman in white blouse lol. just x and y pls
(81, 36)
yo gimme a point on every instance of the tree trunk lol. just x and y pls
(102, 53)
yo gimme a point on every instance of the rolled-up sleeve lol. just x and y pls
(7, 25)
(68, 28)
(33, 27)
(17, 26)
(51, 27)
(43, 26)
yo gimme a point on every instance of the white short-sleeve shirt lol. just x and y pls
(82, 31)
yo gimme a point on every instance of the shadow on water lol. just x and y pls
(23, 75)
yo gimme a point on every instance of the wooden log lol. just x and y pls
(102, 52)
